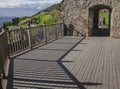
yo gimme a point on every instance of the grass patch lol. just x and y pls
(106, 17)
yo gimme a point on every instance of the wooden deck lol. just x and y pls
(68, 63)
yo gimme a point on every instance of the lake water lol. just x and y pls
(4, 20)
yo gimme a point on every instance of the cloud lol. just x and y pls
(17, 12)
(24, 7)
(35, 4)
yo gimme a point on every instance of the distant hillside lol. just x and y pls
(54, 7)
(49, 15)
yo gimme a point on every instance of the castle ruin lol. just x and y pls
(81, 17)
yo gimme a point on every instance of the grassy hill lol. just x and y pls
(106, 16)
(49, 15)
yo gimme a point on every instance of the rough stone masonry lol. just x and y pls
(78, 18)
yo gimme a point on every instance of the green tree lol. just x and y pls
(15, 21)
(7, 23)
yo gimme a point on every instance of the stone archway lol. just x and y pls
(98, 26)
(81, 15)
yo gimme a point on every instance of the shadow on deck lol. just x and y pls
(43, 68)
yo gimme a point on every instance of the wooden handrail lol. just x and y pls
(19, 40)
(22, 39)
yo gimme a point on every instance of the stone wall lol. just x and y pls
(76, 15)
(116, 22)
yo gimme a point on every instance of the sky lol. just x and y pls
(24, 7)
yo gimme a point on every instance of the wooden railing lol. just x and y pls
(3, 52)
(26, 38)
(19, 40)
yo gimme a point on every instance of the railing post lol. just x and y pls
(45, 32)
(7, 55)
(55, 29)
(4, 55)
(0, 71)
(6, 41)
(30, 37)
(1, 66)
(63, 28)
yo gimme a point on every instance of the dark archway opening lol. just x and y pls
(100, 20)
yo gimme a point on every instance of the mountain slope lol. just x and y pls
(49, 15)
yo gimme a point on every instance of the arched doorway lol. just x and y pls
(99, 20)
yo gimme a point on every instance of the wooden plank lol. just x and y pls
(92, 77)
(94, 64)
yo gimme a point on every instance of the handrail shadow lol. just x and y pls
(59, 74)
(79, 84)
